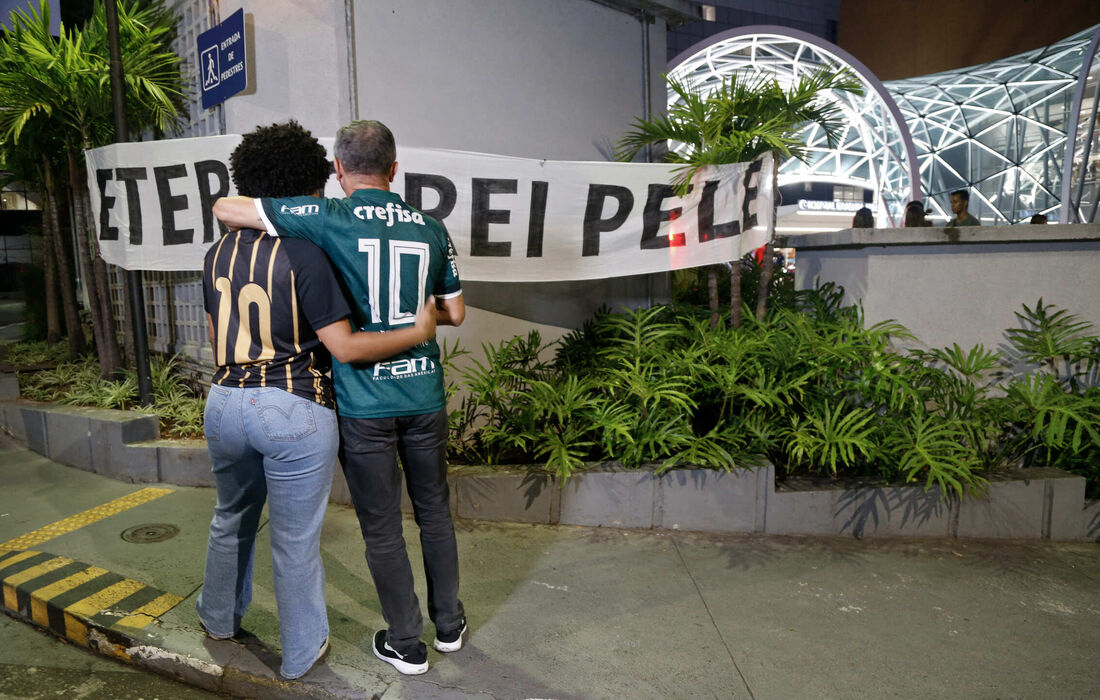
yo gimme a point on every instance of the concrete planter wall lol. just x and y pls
(1023, 504)
(956, 285)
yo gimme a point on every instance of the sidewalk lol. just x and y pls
(571, 612)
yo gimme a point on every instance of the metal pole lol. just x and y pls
(353, 80)
(646, 77)
(133, 277)
(643, 18)
(1075, 203)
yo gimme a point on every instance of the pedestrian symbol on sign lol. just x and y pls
(221, 68)
(209, 60)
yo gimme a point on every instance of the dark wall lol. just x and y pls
(817, 17)
(907, 38)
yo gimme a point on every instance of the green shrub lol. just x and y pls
(79, 383)
(811, 388)
(34, 353)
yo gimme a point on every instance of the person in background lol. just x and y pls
(863, 219)
(960, 202)
(1039, 219)
(392, 258)
(275, 311)
(914, 215)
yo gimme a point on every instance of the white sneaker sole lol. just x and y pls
(403, 666)
(448, 647)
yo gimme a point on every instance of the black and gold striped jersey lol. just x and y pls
(265, 296)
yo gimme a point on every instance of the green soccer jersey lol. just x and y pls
(391, 257)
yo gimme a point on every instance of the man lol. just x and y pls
(270, 419)
(960, 200)
(392, 258)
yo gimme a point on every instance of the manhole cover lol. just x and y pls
(150, 532)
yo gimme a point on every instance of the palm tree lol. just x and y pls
(64, 82)
(745, 117)
(22, 165)
(34, 159)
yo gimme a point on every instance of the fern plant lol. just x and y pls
(1050, 335)
(932, 448)
(811, 388)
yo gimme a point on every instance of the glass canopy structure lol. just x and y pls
(874, 150)
(1000, 129)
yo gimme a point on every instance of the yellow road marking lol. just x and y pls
(96, 603)
(76, 630)
(75, 522)
(36, 571)
(150, 611)
(39, 613)
(44, 594)
(18, 558)
(10, 600)
(76, 614)
(5, 555)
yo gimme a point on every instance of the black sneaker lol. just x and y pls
(450, 641)
(411, 664)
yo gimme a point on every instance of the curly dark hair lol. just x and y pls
(281, 160)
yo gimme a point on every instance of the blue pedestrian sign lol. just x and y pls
(222, 72)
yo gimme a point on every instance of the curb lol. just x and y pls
(89, 606)
(1036, 503)
(119, 618)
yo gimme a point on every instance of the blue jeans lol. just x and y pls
(369, 451)
(269, 443)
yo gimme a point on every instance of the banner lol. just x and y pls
(511, 219)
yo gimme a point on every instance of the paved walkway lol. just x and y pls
(570, 612)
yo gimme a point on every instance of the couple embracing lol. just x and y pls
(279, 317)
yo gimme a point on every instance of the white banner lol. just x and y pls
(511, 219)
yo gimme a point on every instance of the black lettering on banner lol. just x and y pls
(414, 189)
(481, 216)
(129, 177)
(537, 220)
(106, 231)
(749, 220)
(203, 170)
(170, 204)
(708, 231)
(653, 215)
(594, 225)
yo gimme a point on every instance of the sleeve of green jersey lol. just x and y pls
(448, 285)
(297, 217)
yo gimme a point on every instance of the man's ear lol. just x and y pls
(339, 168)
(393, 171)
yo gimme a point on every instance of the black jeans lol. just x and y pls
(369, 459)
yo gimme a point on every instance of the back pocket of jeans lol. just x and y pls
(284, 416)
(212, 414)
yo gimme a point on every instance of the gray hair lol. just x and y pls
(366, 147)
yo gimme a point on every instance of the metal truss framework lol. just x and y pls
(1081, 172)
(999, 129)
(874, 149)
